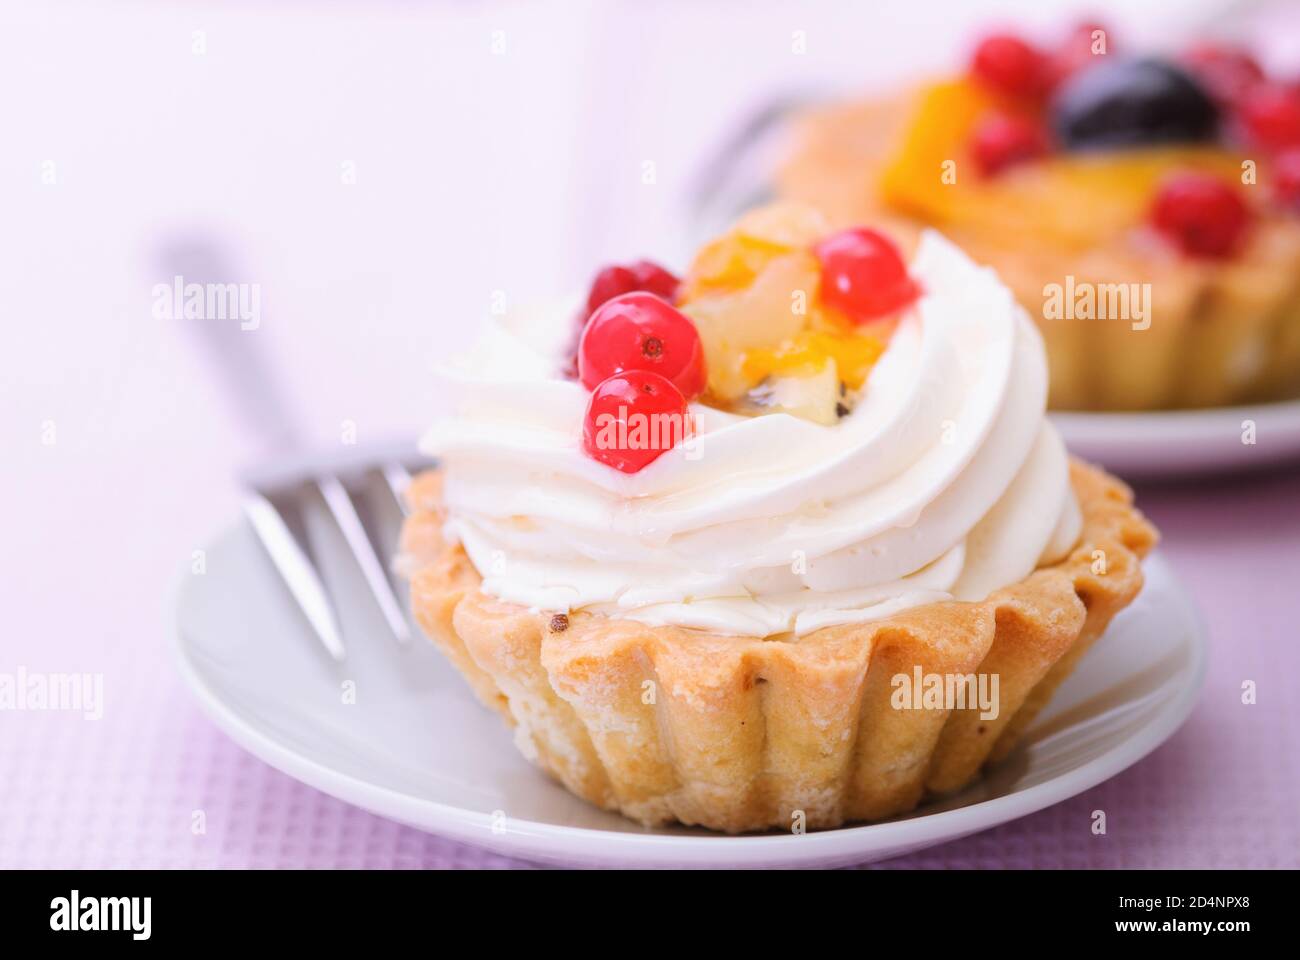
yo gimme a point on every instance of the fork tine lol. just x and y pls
(723, 165)
(345, 515)
(296, 569)
(397, 478)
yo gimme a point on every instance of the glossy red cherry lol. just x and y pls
(863, 275)
(639, 331)
(632, 419)
(1227, 72)
(1202, 215)
(619, 279)
(1270, 116)
(1011, 66)
(1001, 140)
(1286, 179)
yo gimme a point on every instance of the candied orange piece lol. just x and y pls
(733, 261)
(726, 265)
(753, 295)
(792, 226)
(1075, 200)
(946, 114)
(854, 355)
(762, 314)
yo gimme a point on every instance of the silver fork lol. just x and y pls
(272, 490)
(734, 174)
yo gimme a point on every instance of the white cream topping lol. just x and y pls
(945, 481)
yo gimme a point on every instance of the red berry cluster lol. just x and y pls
(1023, 75)
(643, 361)
(1017, 69)
(630, 278)
(1264, 113)
(1003, 140)
(1228, 73)
(1201, 215)
(1206, 217)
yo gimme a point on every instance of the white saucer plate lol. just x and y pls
(1179, 443)
(414, 746)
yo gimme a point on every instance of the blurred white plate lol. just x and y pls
(416, 747)
(1176, 443)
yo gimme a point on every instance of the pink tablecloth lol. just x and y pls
(1223, 792)
(363, 163)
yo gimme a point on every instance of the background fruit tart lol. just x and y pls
(1145, 209)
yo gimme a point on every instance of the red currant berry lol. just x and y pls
(641, 275)
(655, 279)
(1270, 116)
(1228, 73)
(639, 331)
(609, 283)
(1011, 66)
(1001, 140)
(1087, 44)
(863, 275)
(632, 418)
(1286, 179)
(1203, 215)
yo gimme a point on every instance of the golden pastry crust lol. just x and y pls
(737, 734)
(1221, 332)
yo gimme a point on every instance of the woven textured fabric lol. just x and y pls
(100, 524)
(123, 791)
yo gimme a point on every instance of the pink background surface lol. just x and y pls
(475, 173)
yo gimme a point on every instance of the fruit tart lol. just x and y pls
(1144, 210)
(693, 542)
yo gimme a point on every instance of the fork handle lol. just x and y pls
(233, 349)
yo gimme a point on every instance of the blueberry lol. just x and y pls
(1132, 103)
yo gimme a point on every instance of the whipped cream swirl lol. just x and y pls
(944, 482)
